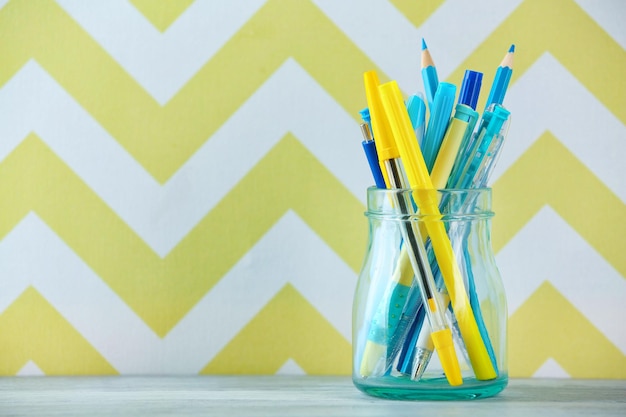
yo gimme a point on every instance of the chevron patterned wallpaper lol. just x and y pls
(182, 184)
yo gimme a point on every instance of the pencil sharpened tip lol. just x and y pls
(512, 48)
(424, 47)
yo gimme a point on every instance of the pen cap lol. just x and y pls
(440, 113)
(417, 110)
(365, 115)
(385, 145)
(498, 119)
(505, 126)
(465, 113)
(470, 88)
(445, 93)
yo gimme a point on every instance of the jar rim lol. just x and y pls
(454, 204)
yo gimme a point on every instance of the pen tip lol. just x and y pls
(512, 48)
(424, 47)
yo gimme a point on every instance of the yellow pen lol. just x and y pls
(417, 255)
(376, 346)
(426, 198)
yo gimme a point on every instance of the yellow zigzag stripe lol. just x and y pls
(288, 327)
(161, 13)
(161, 291)
(32, 329)
(548, 326)
(417, 12)
(548, 173)
(163, 138)
(562, 28)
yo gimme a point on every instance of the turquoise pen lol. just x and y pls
(429, 75)
(474, 173)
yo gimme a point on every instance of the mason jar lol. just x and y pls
(429, 311)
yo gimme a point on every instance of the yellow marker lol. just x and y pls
(426, 198)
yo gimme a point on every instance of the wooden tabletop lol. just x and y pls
(290, 396)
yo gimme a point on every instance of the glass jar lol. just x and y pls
(418, 288)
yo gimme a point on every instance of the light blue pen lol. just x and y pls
(471, 153)
(440, 113)
(467, 174)
(481, 178)
(474, 173)
(487, 135)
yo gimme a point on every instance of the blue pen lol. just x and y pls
(438, 122)
(429, 75)
(501, 79)
(470, 88)
(372, 156)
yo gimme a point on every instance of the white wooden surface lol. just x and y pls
(289, 396)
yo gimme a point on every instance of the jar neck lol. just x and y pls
(454, 204)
